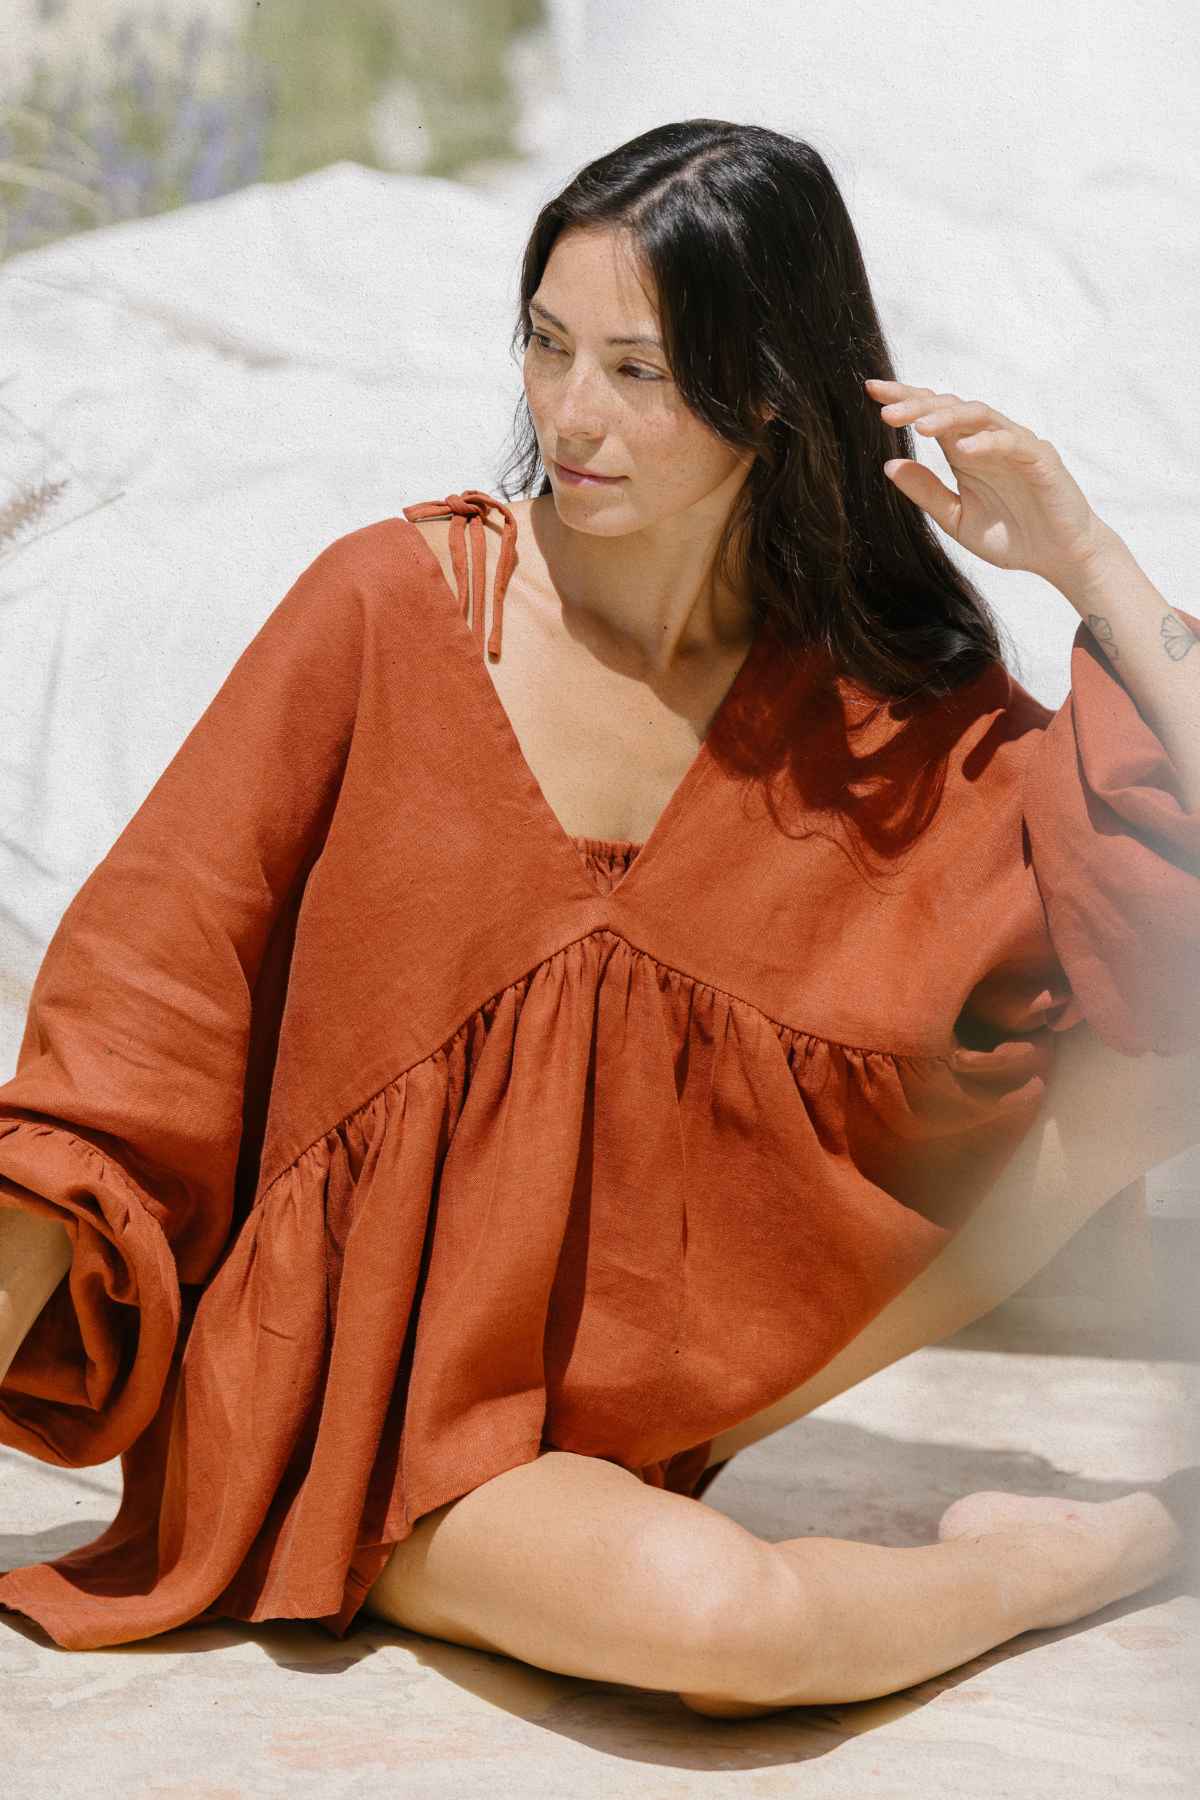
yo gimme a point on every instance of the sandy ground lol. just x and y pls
(1103, 1708)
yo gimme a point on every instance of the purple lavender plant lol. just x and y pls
(181, 115)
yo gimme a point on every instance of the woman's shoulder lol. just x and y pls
(435, 529)
(371, 550)
(434, 520)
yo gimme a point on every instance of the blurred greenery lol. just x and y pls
(451, 52)
(182, 110)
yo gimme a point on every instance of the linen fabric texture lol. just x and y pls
(401, 1136)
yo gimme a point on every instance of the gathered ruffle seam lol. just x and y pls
(793, 1032)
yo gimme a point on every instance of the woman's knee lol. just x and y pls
(573, 1564)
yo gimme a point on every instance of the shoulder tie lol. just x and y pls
(471, 505)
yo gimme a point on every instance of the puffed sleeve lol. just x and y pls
(1116, 857)
(124, 1118)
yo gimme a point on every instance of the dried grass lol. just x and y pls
(27, 505)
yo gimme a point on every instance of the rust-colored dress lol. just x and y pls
(401, 1136)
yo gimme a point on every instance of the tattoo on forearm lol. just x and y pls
(1177, 639)
(1102, 631)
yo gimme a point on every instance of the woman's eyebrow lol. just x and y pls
(644, 338)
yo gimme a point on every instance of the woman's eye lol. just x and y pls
(544, 343)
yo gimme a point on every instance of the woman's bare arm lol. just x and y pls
(35, 1254)
(1106, 1119)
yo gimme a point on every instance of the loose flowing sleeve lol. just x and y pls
(133, 1094)
(1116, 857)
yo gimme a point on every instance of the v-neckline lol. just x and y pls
(690, 780)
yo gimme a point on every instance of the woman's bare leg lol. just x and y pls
(572, 1564)
(883, 1619)
(1105, 1121)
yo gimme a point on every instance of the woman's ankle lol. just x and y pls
(1117, 1548)
(1158, 1542)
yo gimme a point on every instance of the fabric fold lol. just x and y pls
(89, 1374)
(1116, 856)
(156, 1002)
(487, 1259)
(394, 1154)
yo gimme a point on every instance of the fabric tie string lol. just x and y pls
(467, 511)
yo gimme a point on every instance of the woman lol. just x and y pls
(516, 1080)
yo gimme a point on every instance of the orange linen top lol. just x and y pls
(401, 1136)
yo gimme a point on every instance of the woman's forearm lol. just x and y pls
(950, 1294)
(1156, 655)
(1106, 1119)
(35, 1254)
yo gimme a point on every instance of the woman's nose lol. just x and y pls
(578, 406)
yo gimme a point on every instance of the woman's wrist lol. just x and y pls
(35, 1254)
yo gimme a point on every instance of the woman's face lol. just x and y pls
(612, 408)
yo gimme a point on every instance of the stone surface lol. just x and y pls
(1105, 1709)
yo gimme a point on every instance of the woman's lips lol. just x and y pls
(578, 477)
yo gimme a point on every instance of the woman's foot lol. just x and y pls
(1080, 1555)
(1044, 1561)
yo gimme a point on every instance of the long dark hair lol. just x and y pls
(765, 306)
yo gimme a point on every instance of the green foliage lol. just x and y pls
(158, 117)
(170, 113)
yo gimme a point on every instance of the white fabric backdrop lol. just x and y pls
(225, 389)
